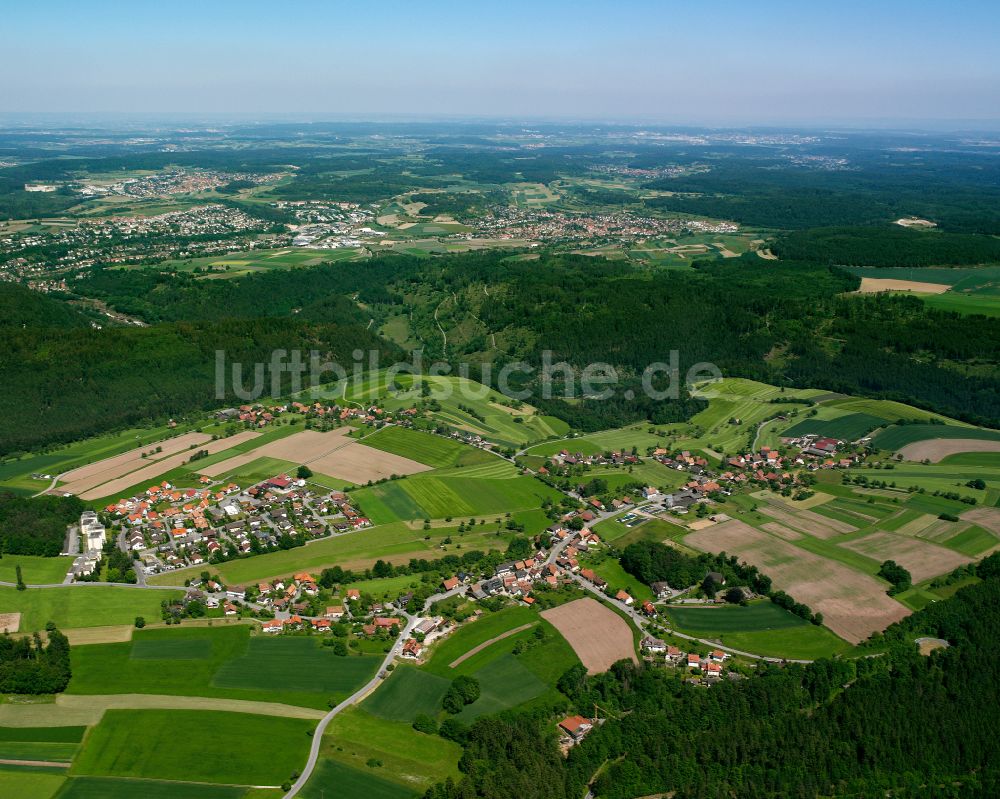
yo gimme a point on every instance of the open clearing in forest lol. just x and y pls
(332, 454)
(854, 605)
(598, 635)
(921, 559)
(873, 285)
(935, 449)
(153, 470)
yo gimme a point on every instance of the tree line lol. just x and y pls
(29, 666)
(899, 724)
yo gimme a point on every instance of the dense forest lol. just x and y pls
(66, 383)
(458, 204)
(28, 666)
(896, 724)
(36, 526)
(888, 245)
(788, 323)
(958, 190)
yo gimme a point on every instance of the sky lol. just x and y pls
(720, 62)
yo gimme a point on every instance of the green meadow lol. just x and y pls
(82, 605)
(409, 758)
(757, 616)
(898, 436)
(220, 661)
(506, 679)
(122, 788)
(23, 783)
(471, 634)
(406, 693)
(34, 569)
(426, 448)
(983, 304)
(490, 418)
(846, 427)
(459, 493)
(16, 474)
(353, 783)
(760, 627)
(55, 744)
(397, 542)
(195, 746)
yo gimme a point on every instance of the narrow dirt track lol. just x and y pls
(462, 658)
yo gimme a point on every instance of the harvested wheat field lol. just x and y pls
(153, 470)
(93, 474)
(934, 449)
(332, 454)
(300, 447)
(987, 518)
(784, 533)
(598, 635)
(806, 520)
(10, 622)
(854, 605)
(873, 285)
(75, 709)
(921, 559)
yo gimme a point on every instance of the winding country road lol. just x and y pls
(361, 693)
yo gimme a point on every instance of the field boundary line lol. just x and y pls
(480, 647)
(170, 702)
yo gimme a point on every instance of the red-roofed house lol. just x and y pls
(576, 727)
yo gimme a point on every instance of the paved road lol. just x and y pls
(361, 693)
(641, 621)
(51, 485)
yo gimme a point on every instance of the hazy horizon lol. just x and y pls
(773, 64)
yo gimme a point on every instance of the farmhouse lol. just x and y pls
(576, 727)
(624, 597)
(591, 575)
(411, 649)
(653, 645)
(661, 589)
